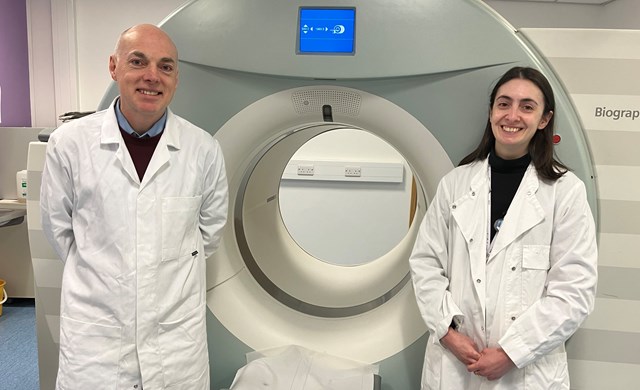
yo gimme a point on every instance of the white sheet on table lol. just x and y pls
(297, 368)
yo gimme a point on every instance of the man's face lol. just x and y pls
(145, 67)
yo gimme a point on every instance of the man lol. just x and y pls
(133, 200)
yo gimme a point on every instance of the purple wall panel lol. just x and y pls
(15, 107)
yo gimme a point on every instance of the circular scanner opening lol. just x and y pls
(269, 291)
(346, 197)
(285, 268)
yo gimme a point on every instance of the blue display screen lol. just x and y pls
(326, 30)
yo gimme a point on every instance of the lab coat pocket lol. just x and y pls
(535, 265)
(183, 346)
(550, 372)
(535, 257)
(89, 354)
(180, 217)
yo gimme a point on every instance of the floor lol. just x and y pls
(18, 346)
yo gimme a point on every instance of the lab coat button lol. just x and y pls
(513, 268)
(513, 318)
(473, 193)
(471, 240)
(453, 207)
(478, 280)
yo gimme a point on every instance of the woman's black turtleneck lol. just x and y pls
(506, 176)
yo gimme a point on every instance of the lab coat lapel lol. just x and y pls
(470, 209)
(162, 155)
(160, 158)
(110, 135)
(470, 214)
(524, 213)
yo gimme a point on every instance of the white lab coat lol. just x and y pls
(133, 291)
(532, 292)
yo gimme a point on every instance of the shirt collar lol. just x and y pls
(124, 124)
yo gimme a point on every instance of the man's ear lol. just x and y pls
(112, 67)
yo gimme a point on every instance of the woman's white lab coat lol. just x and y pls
(133, 292)
(527, 296)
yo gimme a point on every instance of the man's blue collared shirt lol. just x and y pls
(152, 132)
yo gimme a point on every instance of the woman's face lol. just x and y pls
(517, 113)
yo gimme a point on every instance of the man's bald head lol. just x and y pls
(145, 67)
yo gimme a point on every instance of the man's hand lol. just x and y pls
(461, 346)
(492, 364)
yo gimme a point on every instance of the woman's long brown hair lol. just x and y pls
(541, 147)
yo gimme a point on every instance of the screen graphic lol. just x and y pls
(326, 31)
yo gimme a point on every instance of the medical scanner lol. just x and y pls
(265, 77)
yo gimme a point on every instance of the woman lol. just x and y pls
(505, 264)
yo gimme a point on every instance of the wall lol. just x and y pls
(94, 49)
(14, 65)
(74, 76)
(620, 14)
(598, 69)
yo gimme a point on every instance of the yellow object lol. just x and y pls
(3, 294)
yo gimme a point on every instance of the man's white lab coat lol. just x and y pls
(133, 292)
(532, 291)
